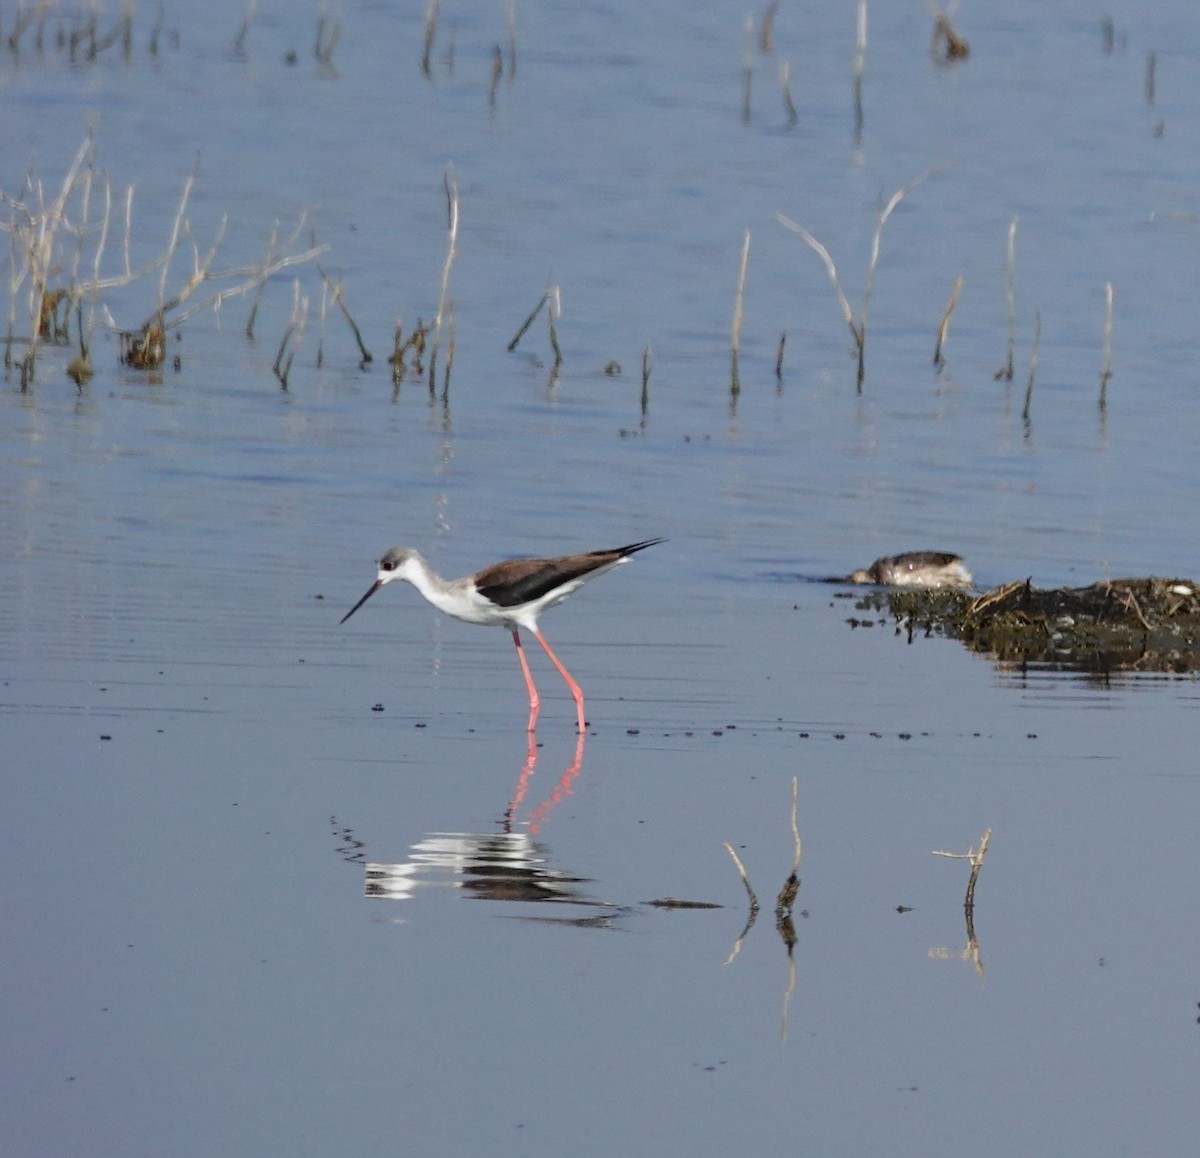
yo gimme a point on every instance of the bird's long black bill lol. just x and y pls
(371, 591)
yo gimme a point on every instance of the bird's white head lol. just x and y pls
(395, 563)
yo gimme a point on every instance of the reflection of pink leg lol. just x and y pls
(534, 702)
(576, 690)
(526, 775)
(561, 791)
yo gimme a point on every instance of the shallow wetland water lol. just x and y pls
(275, 886)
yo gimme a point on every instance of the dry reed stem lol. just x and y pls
(497, 73)
(327, 37)
(510, 20)
(554, 306)
(239, 41)
(516, 338)
(858, 328)
(431, 19)
(779, 356)
(1033, 363)
(451, 186)
(860, 67)
(336, 292)
(830, 269)
(785, 73)
(1151, 69)
(736, 328)
(1106, 366)
(741, 868)
(944, 328)
(946, 45)
(1010, 296)
(766, 30)
(975, 857)
(645, 380)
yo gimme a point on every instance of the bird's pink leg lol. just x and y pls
(576, 690)
(534, 702)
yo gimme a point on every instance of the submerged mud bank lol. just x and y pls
(1118, 625)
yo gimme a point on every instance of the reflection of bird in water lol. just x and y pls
(495, 866)
(511, 594)
(916, 569)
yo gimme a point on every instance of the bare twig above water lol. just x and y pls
(1033, 363)
(239, 41)
(1010, 296)
(860, 68)
(736, 326)
(975, 857)
(451, 187)
(944, 329)
(1106, 366)
(858, 326)
(946, 44)
(335, 290)
(766, 28)
(431, 19)
(48, 238)
(789, 106)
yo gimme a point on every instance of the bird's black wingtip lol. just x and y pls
(633, 548)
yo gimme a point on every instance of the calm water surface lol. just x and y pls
(276, 886)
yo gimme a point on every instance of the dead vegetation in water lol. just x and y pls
(1146, 624)
(71, 251)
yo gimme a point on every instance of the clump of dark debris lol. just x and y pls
(1118, 625)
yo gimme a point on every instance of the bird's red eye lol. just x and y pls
(387, 565)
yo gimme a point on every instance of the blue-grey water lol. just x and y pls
(275, 886)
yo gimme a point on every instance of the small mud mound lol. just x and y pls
(1119, 625)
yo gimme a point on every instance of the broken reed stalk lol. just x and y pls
(449, 357)
(253, 315)
(975, 857)
(497, 73)
(327, 36)
(1106, 367)
(1151, 68)
(645, 380)
(785, 73)
(38, 255)
(944, 328)
(946, 45)
(779, 356)
(787, 894)
(431, 19)
(736, 327)
(860, 67)
(239, 41)
(766, 32)
(554, 306)
(858, 327)
(335, 290)
(528, 321)
(1033, 362)
(292, 335)
(176, 227)
(741, 868)
(1010, 296)
(510, 19)
(39, 231)
(831, 270)
(451, 186)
